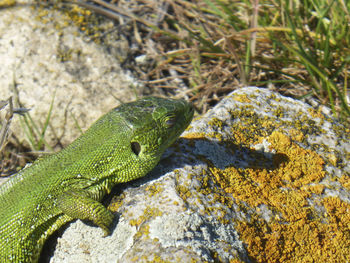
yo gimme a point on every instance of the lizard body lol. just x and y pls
(122, 145)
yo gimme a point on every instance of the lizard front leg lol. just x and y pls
(79, 205)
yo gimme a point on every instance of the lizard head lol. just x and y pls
(125, 143)
(157, 123)
(153, 124)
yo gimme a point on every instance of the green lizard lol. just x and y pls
(122, 145)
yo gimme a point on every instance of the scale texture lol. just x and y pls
(122, 145)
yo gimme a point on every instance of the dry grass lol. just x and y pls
(11, 151)
(205, 49)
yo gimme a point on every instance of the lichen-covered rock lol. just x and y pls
(260, 178)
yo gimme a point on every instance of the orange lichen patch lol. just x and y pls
(116, 203)
(148, 213)
(296, 135)
(242, 98)
(316, 188)
(7, 3)
(316, 114)
(239, 137)
(154, 189)
(194, 135)
(345, 182)
(83, 18)
(246, 134)
(332, 159)
(79, 14)
(216, 122)
(236, 261)
(295, 232)
(143, 231)
(303, 167)
(337, 234)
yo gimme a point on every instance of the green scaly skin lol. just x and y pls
(122, 145)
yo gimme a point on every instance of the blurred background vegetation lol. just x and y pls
(300, 48)
(204, 49)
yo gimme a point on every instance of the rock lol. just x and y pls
(45, 57)
(259, 178)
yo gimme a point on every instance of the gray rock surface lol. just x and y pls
(260, 177)
(45, 56)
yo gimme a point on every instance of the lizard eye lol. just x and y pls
(170, 122)
(136, 147)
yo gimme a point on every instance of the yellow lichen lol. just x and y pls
(142, 231)
(332, 159)
(242, 98)
(296, 135)
(148, 212)
(316, 114)
(345, 182)
(154, 189)
(88, 23)
(216, 122)
(7, 3)
(194, 135)
(117, 203)
(295, 232)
